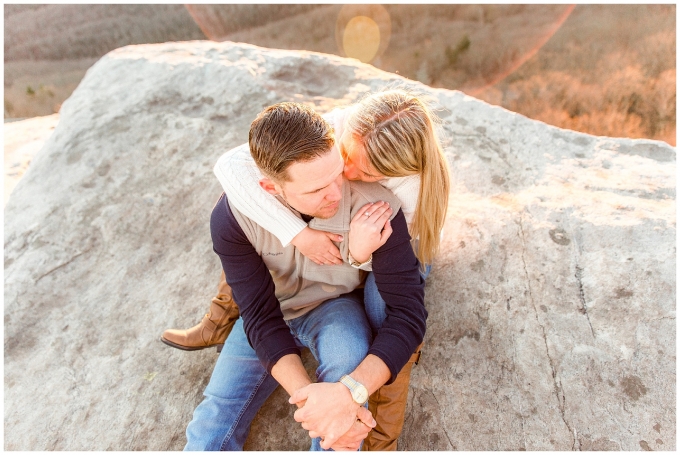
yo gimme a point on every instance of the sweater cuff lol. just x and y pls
(289, 229)
(277, 356)
(268, 358)
(273, 345)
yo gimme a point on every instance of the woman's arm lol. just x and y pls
(239, 176)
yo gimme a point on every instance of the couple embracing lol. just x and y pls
(326, 232)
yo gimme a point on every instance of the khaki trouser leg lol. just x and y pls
(388, 406)
(213, 329)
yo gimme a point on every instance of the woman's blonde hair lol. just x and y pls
(398, 131)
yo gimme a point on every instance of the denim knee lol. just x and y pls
(336, 368)
(338, 335)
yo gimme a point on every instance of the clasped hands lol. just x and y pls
(328, 411)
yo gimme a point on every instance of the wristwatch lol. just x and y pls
(357, 389)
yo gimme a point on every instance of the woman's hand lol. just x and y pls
(369, 230)
(318, 246)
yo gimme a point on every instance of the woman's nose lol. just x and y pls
(350, 171)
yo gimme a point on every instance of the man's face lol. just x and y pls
(315, 187)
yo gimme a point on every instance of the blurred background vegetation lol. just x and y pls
(601, 69)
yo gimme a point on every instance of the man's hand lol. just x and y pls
(352, 439)
(329, 411)
(369, 230)
(318, 246)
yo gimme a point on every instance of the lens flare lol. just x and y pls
(361, 39)
(363, 31)
(540, 41)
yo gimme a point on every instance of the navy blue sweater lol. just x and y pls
(397, 276)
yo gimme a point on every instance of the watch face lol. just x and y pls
(360, 394)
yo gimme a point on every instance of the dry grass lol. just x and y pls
(609, 70)
(37, 88)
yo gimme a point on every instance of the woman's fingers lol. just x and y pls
(381, 215)
(362, 211)
(379, 212)
(332, 255)
(368, 210)
(330, 258)
(373, 212)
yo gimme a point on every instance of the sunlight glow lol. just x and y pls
(361, 39)
(540, 41)
(363, 32)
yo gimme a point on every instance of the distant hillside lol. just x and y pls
(608, 70)
(58, 32)
(218, 21)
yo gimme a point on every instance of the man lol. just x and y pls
(288, 302)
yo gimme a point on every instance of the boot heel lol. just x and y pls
(219, 347)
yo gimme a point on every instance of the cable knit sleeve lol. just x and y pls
(239, 176)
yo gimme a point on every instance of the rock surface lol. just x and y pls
(23, 139)
(552, 304)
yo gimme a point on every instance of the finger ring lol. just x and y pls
(367, 214)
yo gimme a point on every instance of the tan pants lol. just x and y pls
(388, 406)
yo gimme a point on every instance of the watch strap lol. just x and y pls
(354, 387)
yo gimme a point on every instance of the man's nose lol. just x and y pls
(334, 191)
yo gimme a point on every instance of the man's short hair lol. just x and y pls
(288, 133)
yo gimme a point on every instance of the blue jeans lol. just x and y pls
(337, 334)
(374, 303)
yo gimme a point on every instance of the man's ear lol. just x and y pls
(270, 186)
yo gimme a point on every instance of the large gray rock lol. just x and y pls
(552, 317)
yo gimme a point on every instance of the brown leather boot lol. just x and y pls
(213, 329)
(388, 406)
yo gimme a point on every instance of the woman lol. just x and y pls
(388, 137)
